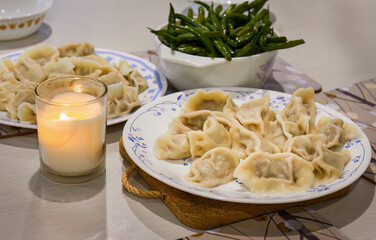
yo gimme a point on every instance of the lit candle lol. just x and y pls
(71, 133)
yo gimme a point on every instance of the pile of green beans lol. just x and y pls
(240, 30)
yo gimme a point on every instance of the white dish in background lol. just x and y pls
(20, 18)
(139, 137)
(157, 84)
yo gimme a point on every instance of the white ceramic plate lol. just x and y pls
(157, 84)
(152, 120)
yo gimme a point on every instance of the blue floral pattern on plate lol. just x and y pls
(157, 84)
(152, 120)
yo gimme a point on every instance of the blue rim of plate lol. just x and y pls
(136, 145)
(146, 69)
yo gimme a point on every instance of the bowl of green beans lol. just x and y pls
(219, 46)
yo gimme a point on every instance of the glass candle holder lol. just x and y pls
(71, 119)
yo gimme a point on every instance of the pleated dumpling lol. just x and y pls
(137, 81)
(213, 135)
(250, 114)
(308, 100)
(329, 165)
(121, 100)
(245, 142)
(174, 144)
(216, 101)
(336, 131)
(96, 58)
(306, 146)
(28, 69)
(273, 130)
(85, 67)
(331, 129)
(76, 49)
(214, 168)
(25, 93)
(267, 173)
(195, 120)
(61, 67)
(27, 113)
(41, 54)
(113, 76)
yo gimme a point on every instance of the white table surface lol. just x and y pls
(339, 50)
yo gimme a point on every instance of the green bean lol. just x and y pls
(218, 43)
(201, 15)
(218, 10)
(230, 29)
(174, 41)
(187, 37)
(240, 8)
(277, 39)
(194, 50)
(189, 21)
(211, 14)
(202, 38)
(190, 13)
(171, 17)
(239, 30)
(277, 46)
(251, 47)
(253, 21)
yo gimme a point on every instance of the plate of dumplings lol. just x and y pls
(247, 145)
(131, 81)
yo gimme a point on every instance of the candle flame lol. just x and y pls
(64, 116)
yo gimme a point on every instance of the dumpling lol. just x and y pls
(174, 144)
(274, 133)
(27, 113)
(250, 114)
(216, 101)
(113, 76)
(195, 120)
(27, 69)
(61, 67)
(298, 117)
(85, 67)
(245, 142)
(305, 146)
(41, 54)
(308, 100)
(24, 94)
(76, 49)
(335, 130)
(214, 168)
(121, 100)
(329, 165)
(133, 76)
(275, 173)
(125, 68)
(96, 58)
(213, 135)
(331, 129)
(136, 80)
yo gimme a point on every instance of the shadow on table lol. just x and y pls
(345, 210)
(155, 205)
(70, 211)
(56, 192)
(39, 36)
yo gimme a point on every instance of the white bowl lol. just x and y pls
(186, 71)
(20, 18)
